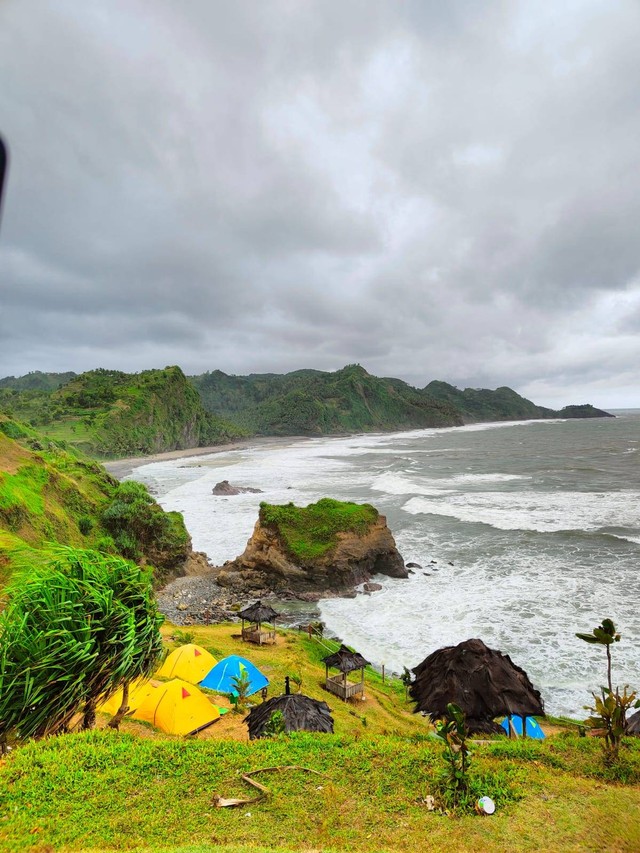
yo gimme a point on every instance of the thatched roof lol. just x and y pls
(345, 660)
(482, 681)
(301, 714)
(259, 612)
(633, 724)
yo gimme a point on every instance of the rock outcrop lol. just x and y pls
(224, 487)
(268, 564)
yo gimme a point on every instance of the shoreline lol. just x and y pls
(120, 468)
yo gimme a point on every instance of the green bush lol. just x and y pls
(85, 525)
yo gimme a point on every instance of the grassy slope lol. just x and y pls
(48, 493)
(138, 790)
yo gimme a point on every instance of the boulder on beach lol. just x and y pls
(224, 487)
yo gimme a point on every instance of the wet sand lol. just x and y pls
(120, 468)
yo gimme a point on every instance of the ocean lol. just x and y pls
(527, 532)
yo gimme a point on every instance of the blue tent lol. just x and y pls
(219, 678)
(533, 729)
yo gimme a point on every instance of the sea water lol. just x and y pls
(526, 533)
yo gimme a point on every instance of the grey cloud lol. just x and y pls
(438, 190)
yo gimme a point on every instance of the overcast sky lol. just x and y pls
(432, 189)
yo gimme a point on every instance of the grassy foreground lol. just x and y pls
(139, 790)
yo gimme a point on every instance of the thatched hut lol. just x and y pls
(346, 661)
(633, 724)
(483, 682)
(256, 614)
(300, 712)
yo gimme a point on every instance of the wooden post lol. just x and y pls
(382, 673)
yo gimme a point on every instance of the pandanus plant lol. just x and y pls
(609, 711)
(74, 630)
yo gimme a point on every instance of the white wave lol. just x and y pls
(398, 484)
(538, 511)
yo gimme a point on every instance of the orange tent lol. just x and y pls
(189, 662)
(138, 691)
(177, 708)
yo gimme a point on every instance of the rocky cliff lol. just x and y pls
(283, 556)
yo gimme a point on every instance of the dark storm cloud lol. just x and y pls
(438, 190)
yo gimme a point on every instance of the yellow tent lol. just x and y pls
(177, 708)
(190, 662)
(138, 690)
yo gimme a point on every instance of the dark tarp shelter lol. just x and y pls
(300, 712)
(483, 682)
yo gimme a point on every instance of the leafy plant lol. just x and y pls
(405, 678)
(452, 732)
(609, 717)
(275, 725)
(241, 685)
(183, 638)
(609, 713)
(604, 635)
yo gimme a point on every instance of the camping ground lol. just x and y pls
(141, 790)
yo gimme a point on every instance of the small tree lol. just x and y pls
(609, 712)
(75, 629)
(241, 685)
(405, 678)
(457, 755)
(604, 635)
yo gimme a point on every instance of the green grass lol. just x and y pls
(309, 532)
(141, 790)
(104, 790)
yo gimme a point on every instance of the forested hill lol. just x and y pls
(352, 400)
(51, 494)
(503, 404)
(310, 402)
(108, 413)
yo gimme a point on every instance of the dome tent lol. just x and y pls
(221, 676)
(177, 707)
(189, 662)
(138, 692)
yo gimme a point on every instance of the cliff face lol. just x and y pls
(268, 565)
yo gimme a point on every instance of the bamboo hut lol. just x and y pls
(346, 661)
(300, 712)
(483, 682)
(257, 614)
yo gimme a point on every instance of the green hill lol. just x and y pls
(503, 404)
(51, 493)
(311, 402)
(108, 413)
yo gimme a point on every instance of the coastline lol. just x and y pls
(120, 468)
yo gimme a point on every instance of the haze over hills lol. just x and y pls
(109, 413)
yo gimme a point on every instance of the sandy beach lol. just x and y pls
(123, 467)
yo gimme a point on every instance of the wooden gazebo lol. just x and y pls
(346, 661)
(256, 614)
